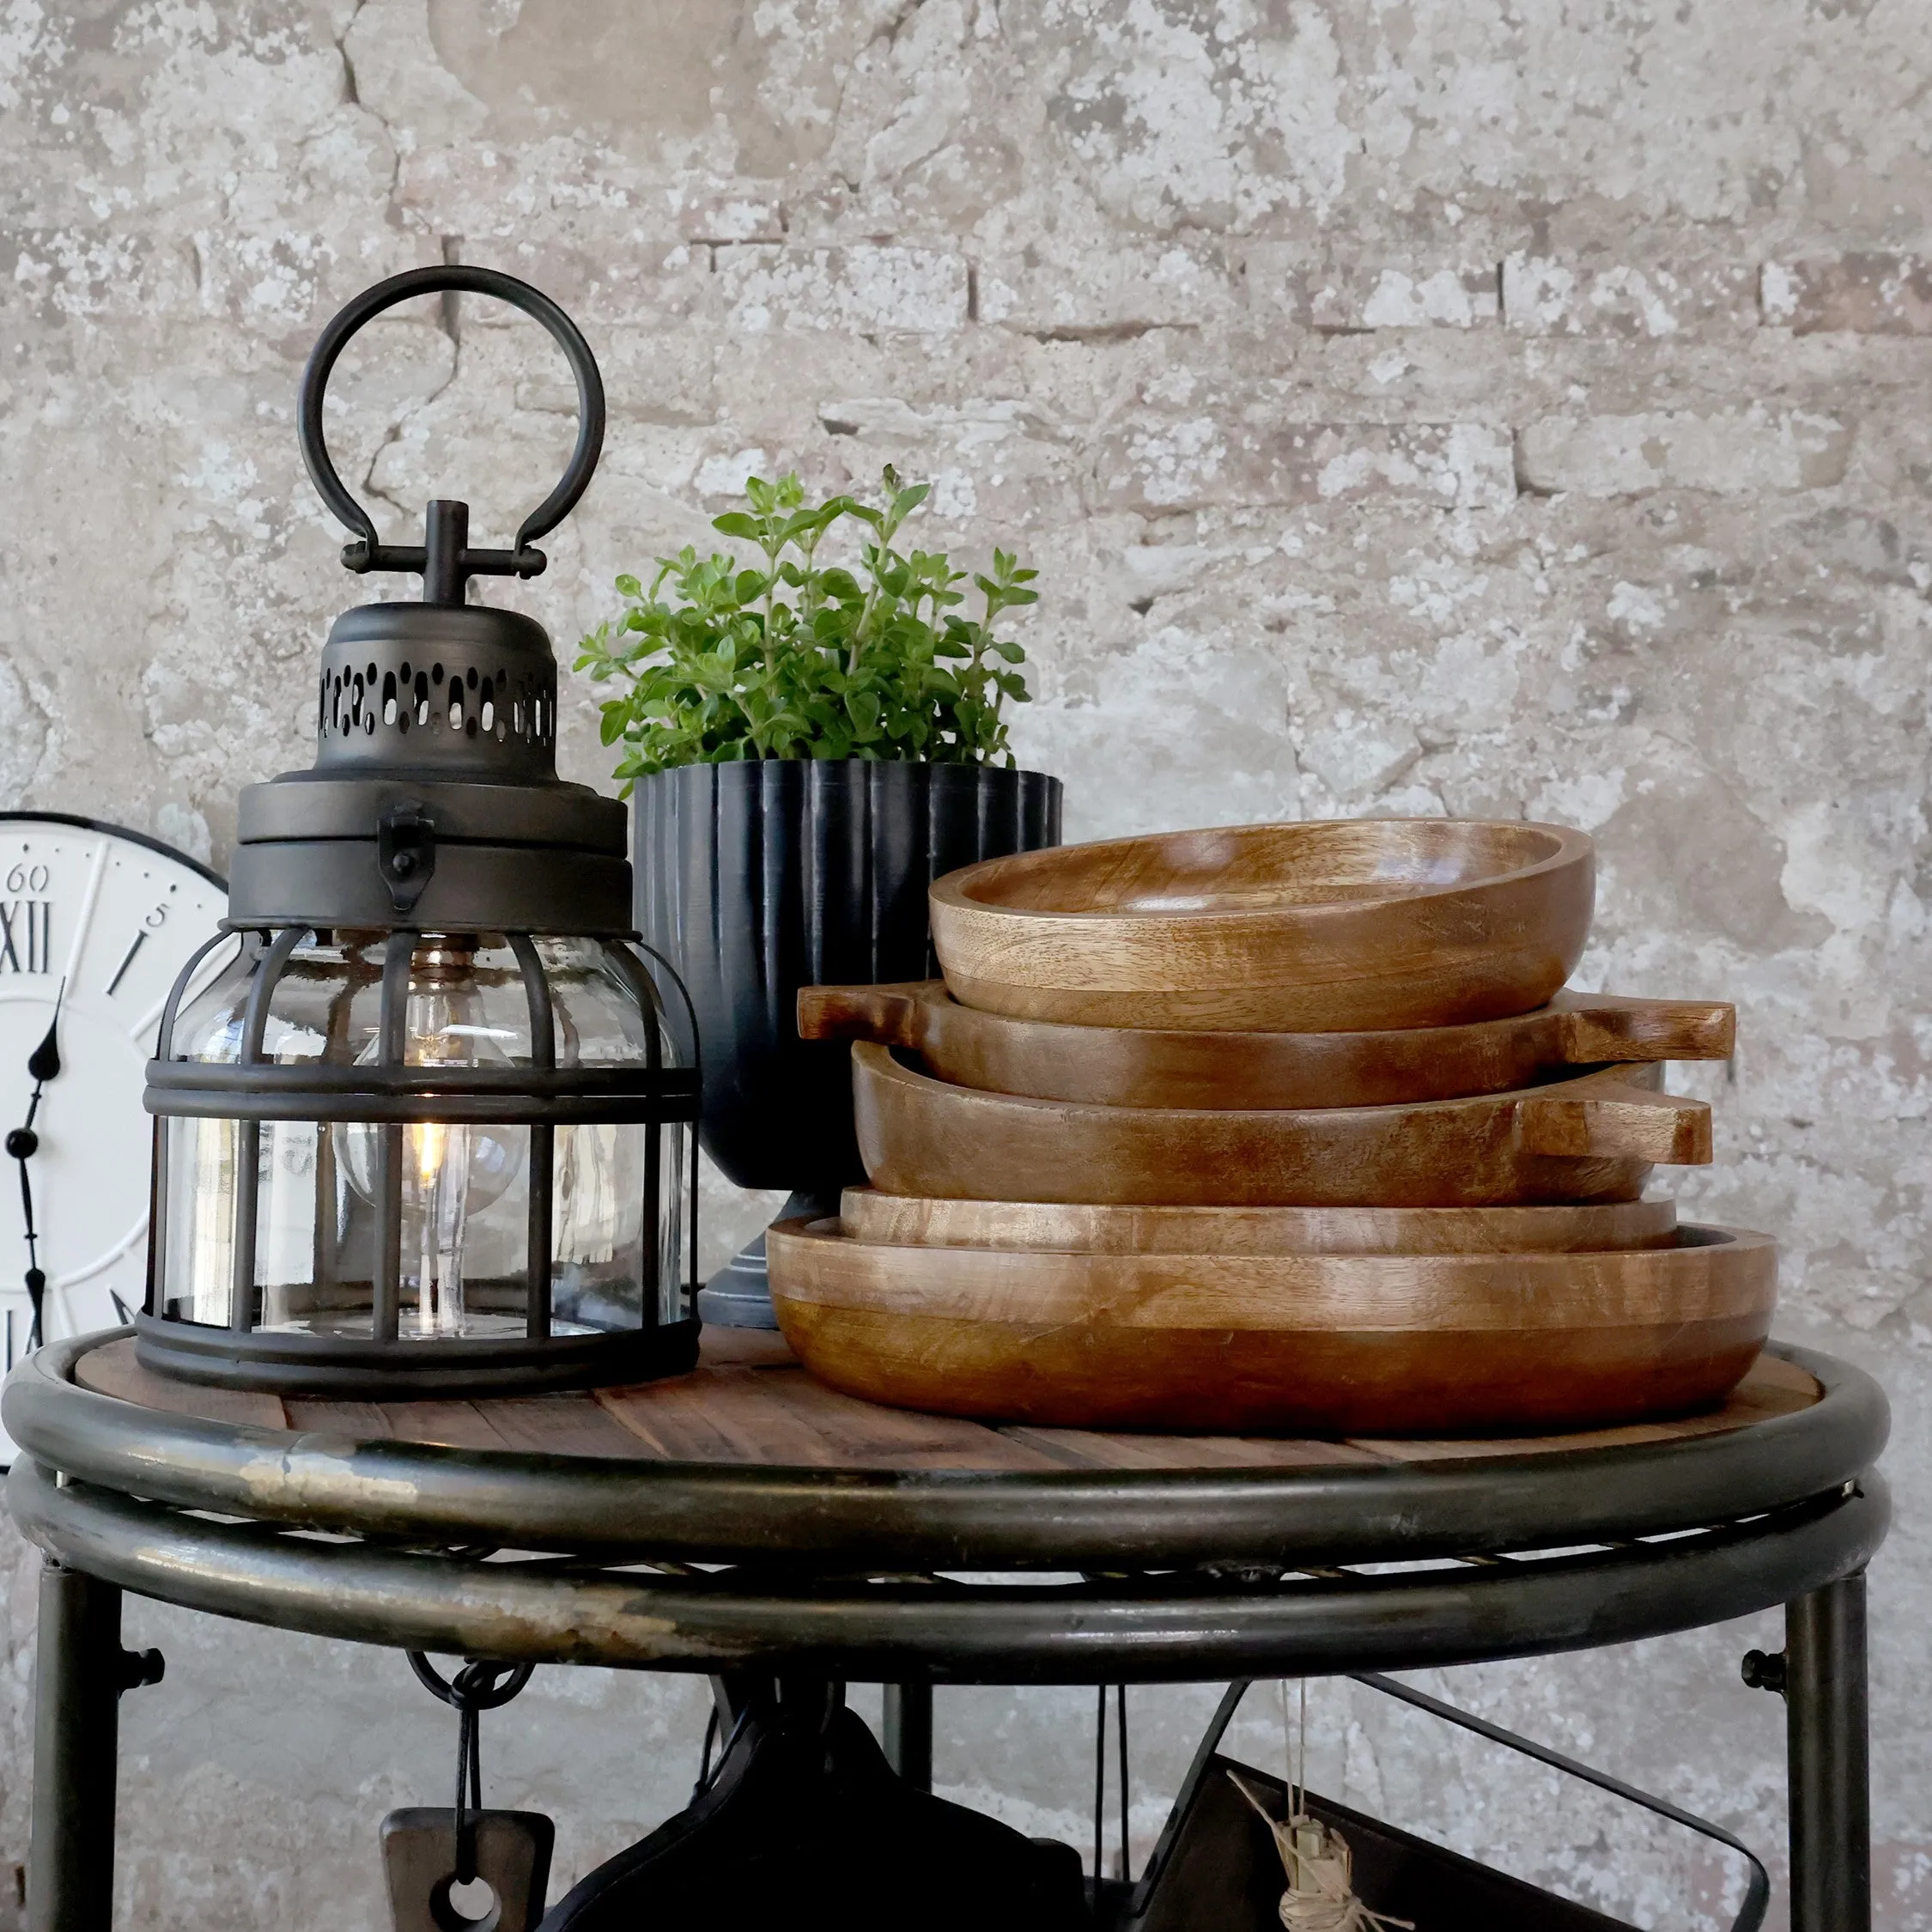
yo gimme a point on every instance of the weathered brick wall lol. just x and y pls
(1412, 407)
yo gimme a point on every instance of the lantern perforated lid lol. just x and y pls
(433, 803)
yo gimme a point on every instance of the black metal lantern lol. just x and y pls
(427, 1133)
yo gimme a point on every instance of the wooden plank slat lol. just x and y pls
(448, 1424)
(742, 1348)
(1772, 1372)
(781, 1416)
(1086, 1448)
(573, 1425)
(1770, 1388)
(112, 1370)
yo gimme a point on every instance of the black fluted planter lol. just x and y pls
(757, 879)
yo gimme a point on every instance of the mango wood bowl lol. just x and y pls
(1592, 1138)
(1122, 1066)
(1326, 925)
(917, 1221)
(1312, 1343)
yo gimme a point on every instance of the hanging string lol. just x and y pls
(1301, 1757)
(478, 1686)
(1288, 1750)
(1316, 1860)
(1127, 1855)
(1099, 1786)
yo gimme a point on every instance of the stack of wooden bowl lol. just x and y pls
(1276, 1127)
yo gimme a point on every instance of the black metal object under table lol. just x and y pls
(745, 1520)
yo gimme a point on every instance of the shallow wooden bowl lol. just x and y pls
(1321, 926)
(1313, 1344)
(916, 1221)
(1121, 1066)
(1591, 1138)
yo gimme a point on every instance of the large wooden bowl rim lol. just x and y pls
(1420, 1040)
(883, 1063)
(890, 1220)
(976, 887)
(1413, 1295)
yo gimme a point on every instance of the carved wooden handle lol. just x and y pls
(1608, 1117)
(888, 1014)
(1601, 1027)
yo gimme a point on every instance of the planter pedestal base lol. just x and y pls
(740, 1295)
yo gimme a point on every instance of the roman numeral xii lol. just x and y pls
(25, 935)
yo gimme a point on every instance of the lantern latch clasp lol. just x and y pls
(444, 562)
(405, 853)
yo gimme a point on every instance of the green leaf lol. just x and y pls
(868, 656)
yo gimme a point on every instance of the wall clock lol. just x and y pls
(95, 922)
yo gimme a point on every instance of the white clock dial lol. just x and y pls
(95, 924)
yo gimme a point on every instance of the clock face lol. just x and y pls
(98, 922)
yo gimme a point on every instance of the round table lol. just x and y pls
(744, 1519)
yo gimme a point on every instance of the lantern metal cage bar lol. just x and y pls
(384, 1097)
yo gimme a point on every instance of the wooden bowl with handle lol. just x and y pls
(1121, 1066)
(1306, 1345)
(1592, 1138)
(916, 1221)
(1321, 926)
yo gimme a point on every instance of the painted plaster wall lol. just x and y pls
(1427, 407)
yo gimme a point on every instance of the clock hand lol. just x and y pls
(20, 1143)
(43, 1064)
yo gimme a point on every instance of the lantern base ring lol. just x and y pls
(286, 1363)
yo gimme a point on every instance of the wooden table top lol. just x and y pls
(749, 1404)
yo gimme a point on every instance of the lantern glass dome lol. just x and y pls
(464, 1260)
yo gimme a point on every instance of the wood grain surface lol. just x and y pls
(1317, 927)
(1329, 1345)
(912, 1221)
(1123, 1066)
(749, 1404)
(1592, 1138)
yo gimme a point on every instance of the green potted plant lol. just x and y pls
(809, 739)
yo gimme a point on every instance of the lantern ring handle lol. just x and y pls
(368, 552)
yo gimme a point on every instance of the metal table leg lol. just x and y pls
(79, 1675)
(1829, 1780)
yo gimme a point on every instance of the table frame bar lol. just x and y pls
(77, 1685)
(1828, 1776)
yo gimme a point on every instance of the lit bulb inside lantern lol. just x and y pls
(450, 1170)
